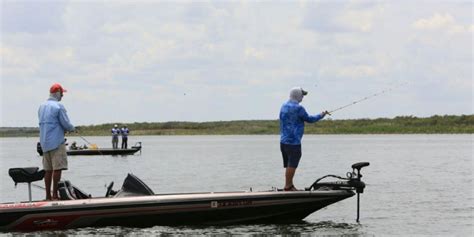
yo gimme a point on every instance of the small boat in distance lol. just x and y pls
(98, 151)
(136, 205)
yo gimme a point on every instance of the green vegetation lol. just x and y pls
(398, 125)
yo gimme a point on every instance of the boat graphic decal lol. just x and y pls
(232, 203)
(45, 223)
(22, 205)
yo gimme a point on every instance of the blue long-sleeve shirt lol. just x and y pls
(124, 132)
(292, 118)
(53, 122)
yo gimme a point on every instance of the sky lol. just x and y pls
(176, 60)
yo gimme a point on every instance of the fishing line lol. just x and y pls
(38, 186)
(129, 168)
(85, 139)
(92, 145)
(366, 98)
(111, 184)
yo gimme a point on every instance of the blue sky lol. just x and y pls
(155, 61)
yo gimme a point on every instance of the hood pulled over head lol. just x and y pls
(297, 94)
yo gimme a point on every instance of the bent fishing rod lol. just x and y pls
(77, 133)
(84, 139)
(365, 98)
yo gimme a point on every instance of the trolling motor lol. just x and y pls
(138, 145)
(351, 182)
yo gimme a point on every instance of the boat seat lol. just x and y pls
(67, 191)
(70, 189)
(26, 175)
(80, 194)
(64, 189)
(64, 194)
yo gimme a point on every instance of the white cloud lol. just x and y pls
(342, 16)
(357, 71)
(239, 57)
(254, 53)
(437, 21)
(445, 22)
(17, 62)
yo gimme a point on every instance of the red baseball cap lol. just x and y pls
(56, 87)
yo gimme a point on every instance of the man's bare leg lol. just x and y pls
(47, 183)
(56, 179)
(289, 174)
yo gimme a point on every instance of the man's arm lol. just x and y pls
(311, 118)
(64, 120)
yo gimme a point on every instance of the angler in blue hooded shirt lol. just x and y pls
(292, 119)
(53, 123)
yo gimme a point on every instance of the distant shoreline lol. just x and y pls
(446, 124)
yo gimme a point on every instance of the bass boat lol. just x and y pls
(136, 205)
(99, 151)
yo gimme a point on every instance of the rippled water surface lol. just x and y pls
(416, 184)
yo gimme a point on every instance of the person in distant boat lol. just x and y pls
(73, 146)
(115, 135)
(292, 119)
(53, 123)
(124, 131)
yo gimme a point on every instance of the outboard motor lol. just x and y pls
(351, 182)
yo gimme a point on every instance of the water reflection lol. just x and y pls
(324, 228)
(417, 184)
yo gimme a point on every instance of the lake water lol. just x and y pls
(416, 184)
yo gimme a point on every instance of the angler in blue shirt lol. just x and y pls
(124, 132)
(115, 134)
(53, 123)
(292, 119)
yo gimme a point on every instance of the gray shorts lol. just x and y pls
(55, 159)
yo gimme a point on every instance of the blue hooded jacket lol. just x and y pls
(292, 118)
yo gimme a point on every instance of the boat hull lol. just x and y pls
(171, 209)
(91, 152)
(101, 151)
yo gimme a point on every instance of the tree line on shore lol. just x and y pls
(438, 124)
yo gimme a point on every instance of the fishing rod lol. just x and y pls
(365, 98)
(84, 139)
(92, 145)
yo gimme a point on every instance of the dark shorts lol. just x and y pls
(291, 155)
